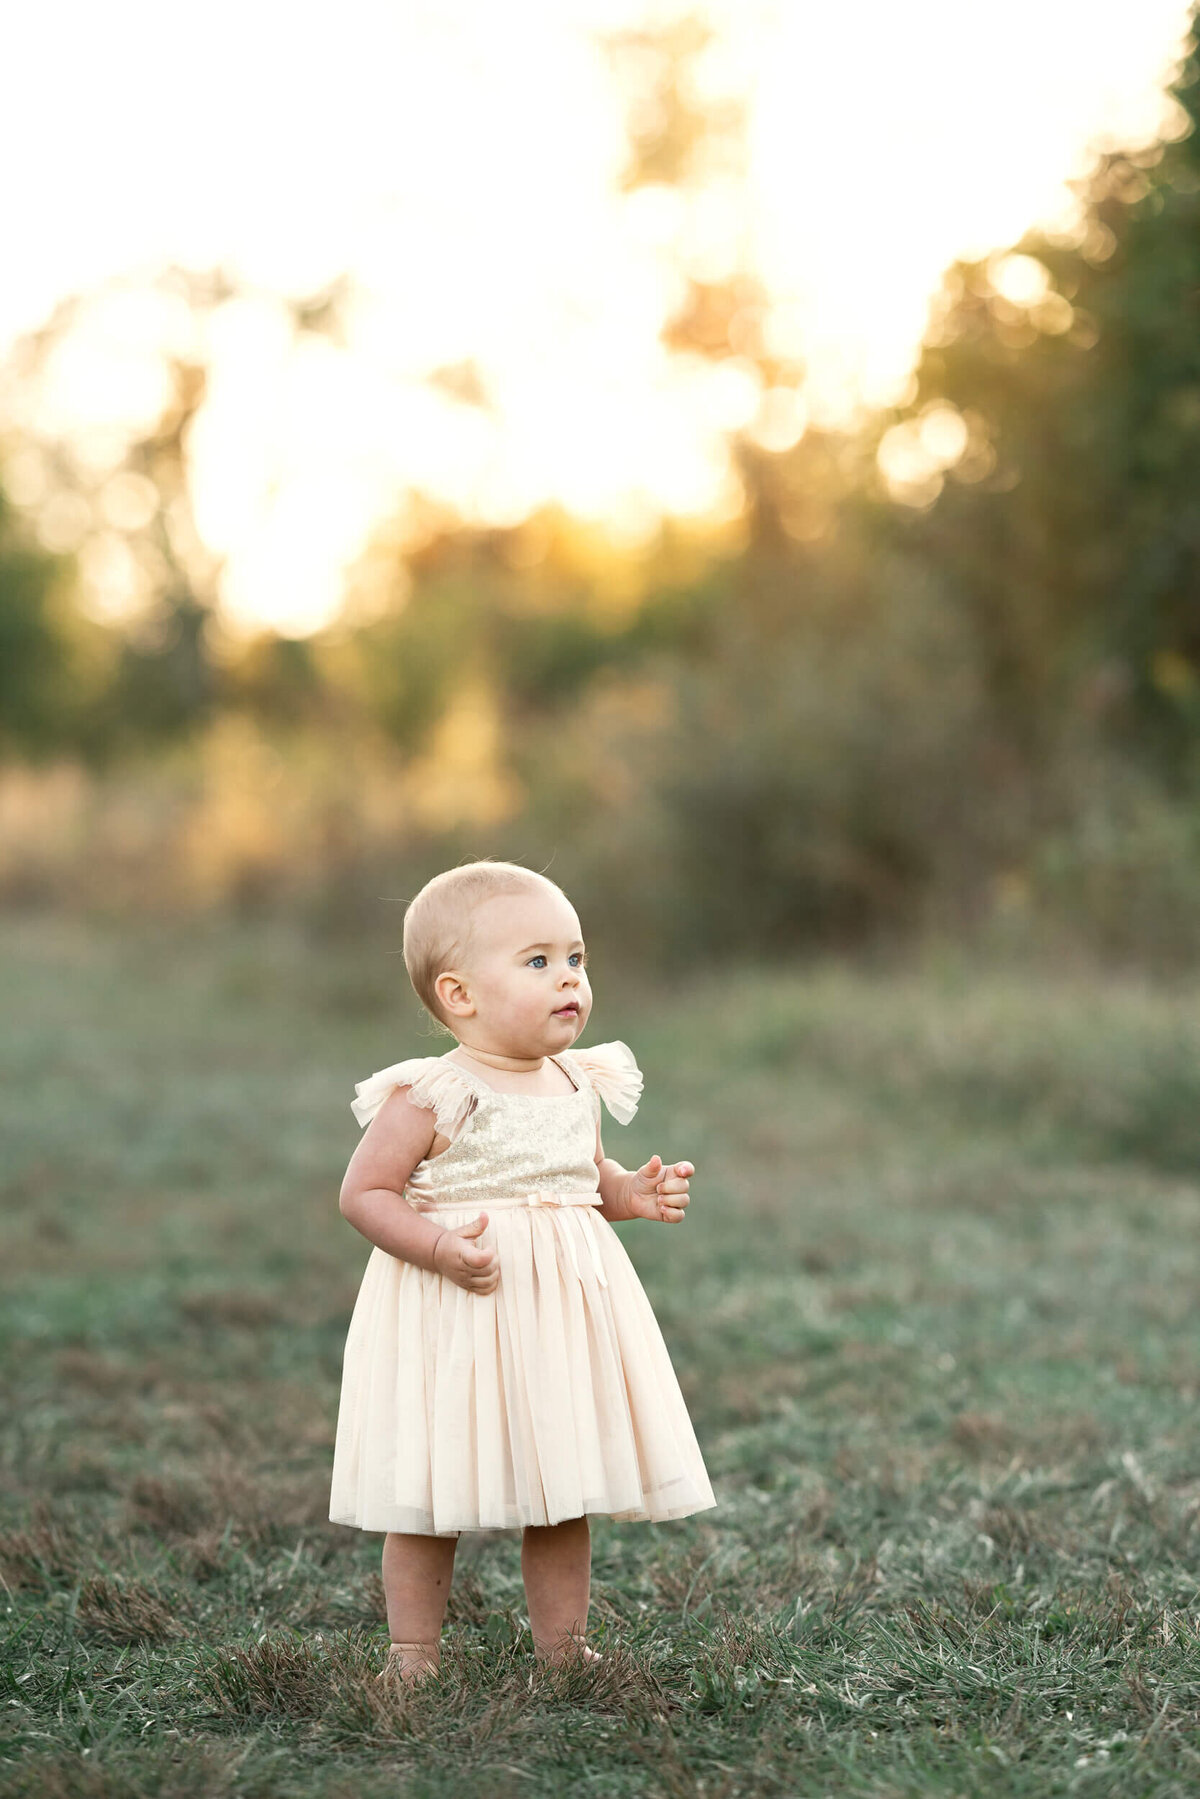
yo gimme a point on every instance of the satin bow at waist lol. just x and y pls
(543, 1197)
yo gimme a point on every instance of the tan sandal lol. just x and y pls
(394, 1665)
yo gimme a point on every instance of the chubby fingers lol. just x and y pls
(671, 1206)
(673, 1191)
(475, 1254)
(481, 1272)
(478, 1269)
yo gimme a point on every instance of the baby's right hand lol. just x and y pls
(454, 1256)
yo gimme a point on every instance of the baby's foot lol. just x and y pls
(410, 1662)
(573, 1648)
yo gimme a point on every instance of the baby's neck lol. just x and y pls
(511, 1064)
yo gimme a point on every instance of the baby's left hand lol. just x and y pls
(660, 1192)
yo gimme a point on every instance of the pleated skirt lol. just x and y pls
(553, 1397)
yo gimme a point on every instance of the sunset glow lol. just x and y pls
(461, 165)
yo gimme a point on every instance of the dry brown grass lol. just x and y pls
(49, 1553)
(121, 1611)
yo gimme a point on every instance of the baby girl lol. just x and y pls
(503, 1367)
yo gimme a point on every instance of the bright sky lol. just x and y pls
(459, 160)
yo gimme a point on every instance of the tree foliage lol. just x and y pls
(881, 687)
(1070, 529)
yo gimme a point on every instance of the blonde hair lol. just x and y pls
(439, 923)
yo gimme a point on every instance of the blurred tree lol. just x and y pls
(43, 655)
(278, 680)
(1067, 514)
(680, 135)
(519, 609)
(166, 682)
(689, 137)
(161, 671)
(801, 731)
(160, 680)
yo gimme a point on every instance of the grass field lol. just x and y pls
(934, 1311)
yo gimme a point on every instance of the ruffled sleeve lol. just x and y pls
(434, 1083)
(615, 1075)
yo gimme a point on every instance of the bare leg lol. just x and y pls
(556, 1562)
(416, 1583)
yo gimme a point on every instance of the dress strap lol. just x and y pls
(612, 1071)
(434, 1083)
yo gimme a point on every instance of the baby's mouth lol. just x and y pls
(570, 1010)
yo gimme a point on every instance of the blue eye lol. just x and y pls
(534, 959)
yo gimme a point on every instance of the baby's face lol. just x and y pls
(526, 968)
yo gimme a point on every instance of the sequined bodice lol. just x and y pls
(514, 1144)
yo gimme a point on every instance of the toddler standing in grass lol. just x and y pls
(503, 1366)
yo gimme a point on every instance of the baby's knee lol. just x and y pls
(561, 1527)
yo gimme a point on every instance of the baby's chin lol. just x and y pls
(546, 1039)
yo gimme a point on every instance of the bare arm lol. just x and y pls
(616, 1184)
(372, 1197)
(657, 1191)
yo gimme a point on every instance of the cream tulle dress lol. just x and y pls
(553, 1396)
